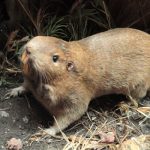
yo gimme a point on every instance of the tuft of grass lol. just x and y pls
(88, 18)
(81, 20)
(55, 27)
(102, 15)
(78, 23)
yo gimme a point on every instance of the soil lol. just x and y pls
(23, 117)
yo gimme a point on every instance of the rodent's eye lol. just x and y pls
(55, 58)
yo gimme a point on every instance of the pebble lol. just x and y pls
(25, 119)
(4, 114)
(2, 147)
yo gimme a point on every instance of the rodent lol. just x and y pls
(65, 76)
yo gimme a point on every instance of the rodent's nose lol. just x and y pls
(28, 52)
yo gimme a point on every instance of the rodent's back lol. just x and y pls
(120, 59)
(116, 40)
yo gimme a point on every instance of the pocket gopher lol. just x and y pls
(65, 76)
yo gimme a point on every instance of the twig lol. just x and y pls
(139, 19)
(88, 116)
(65, 137)
(124, 138)
(29, 15)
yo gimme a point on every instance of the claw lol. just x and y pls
(14, 92)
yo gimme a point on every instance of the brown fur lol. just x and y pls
(115, 61)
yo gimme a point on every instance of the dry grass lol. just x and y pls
(99, 129)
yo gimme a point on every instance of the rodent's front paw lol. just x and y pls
(15, 92)
(51, 131)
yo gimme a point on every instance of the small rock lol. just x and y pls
(145, 128)
(5, 132)
(2, 147)
(25, 119)
(14, 144)
(20, 127)
(4, 114)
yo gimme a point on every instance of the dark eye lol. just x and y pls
(55, 58)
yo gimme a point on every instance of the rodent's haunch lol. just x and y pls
(65, 76)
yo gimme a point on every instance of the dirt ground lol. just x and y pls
(22, 117)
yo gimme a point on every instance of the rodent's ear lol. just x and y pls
(70, 66)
